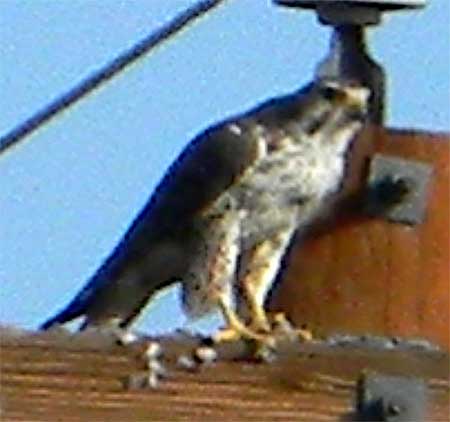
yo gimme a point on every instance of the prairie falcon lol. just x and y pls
(224, 213)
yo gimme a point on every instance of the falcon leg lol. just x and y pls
(260, 267)
(221, 262)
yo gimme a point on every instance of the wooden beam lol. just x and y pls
(68, 378)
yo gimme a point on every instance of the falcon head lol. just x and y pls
(325, 114)
(336, 110)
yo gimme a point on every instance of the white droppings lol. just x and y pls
(155, 366)
(155, 370)
(127, 337)
(153, 350)
(153, 380)
(186, 362)
(206, 355)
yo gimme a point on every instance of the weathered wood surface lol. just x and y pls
(59, 378)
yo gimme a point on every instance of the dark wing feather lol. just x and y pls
(205, 169)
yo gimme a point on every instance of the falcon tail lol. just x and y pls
(74, 310)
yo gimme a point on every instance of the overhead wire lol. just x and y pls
(107, 72)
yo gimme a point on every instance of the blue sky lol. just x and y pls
(69, 192)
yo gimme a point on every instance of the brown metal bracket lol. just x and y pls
(397, 189)
(391, 398)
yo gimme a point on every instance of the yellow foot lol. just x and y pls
(282, 326)
(229, 334)
(236, 329)
(226, 334)
(260, 325)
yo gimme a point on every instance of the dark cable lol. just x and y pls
(105, 73)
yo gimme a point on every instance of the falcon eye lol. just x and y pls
(330, 92)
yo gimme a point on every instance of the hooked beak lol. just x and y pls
(357, 96)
